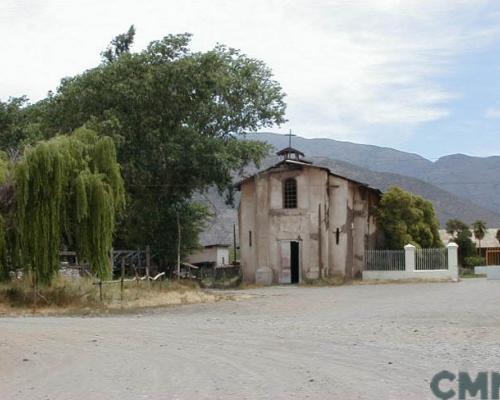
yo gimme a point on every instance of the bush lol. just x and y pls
(474, 261)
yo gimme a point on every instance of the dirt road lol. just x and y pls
(351, 342)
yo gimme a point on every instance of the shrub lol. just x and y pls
(474, 261)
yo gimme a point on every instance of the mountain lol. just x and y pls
(475, 179)
(459, 186)
(447, 205)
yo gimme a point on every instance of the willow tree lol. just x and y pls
(4, 182)
(68, 187)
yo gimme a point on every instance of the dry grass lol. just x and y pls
(68, 296)
(334, 280)
(246, 285)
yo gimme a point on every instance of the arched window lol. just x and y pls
(290, 193)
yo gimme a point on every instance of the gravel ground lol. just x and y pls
(350, 342)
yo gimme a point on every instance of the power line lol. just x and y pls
(310, 185)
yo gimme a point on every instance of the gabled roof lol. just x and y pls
(306, 164)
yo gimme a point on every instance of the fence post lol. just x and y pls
(122, 277)
(148, 262)
(410, 252)
(453, 260)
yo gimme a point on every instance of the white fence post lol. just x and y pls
(453, 260)
(410, 257)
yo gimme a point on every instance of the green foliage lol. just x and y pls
(71, 186)
(407, 218)
(19, 124)
(5, 206)
(454, 226)
(4, 272)
(461, 235)
(163, 237)
(474, 261)
(175, 116)
(479, 229)
(119, 45)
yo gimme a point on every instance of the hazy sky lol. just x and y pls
(421, 76)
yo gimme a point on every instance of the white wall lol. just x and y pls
(438, 274)
(222, 255)
(210, 254)
(411, 273)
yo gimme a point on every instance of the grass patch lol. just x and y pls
(468, 273)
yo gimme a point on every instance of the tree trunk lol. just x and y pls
(178, 247)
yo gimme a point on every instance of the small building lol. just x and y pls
(300, 221)
(488, 247)
(210, 255)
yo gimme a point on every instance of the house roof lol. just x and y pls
(217, 245)
(489, 241)
(306, 164)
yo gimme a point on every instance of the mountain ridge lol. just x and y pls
(448, 205)
(475, 179)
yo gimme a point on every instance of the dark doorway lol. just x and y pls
(294, 261)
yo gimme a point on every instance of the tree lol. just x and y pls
(119, 45)
(454, 226)
(461, 234)
(5, 207)
(479, 229)
(407, 218)
(68, 187)
(17, 124)
(175, 116)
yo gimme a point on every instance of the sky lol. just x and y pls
(420, 76)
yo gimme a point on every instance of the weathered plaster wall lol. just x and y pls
(247, 219)
(344, 205)
(340, 206)
(300, 224)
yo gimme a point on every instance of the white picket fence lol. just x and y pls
(412, 263)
